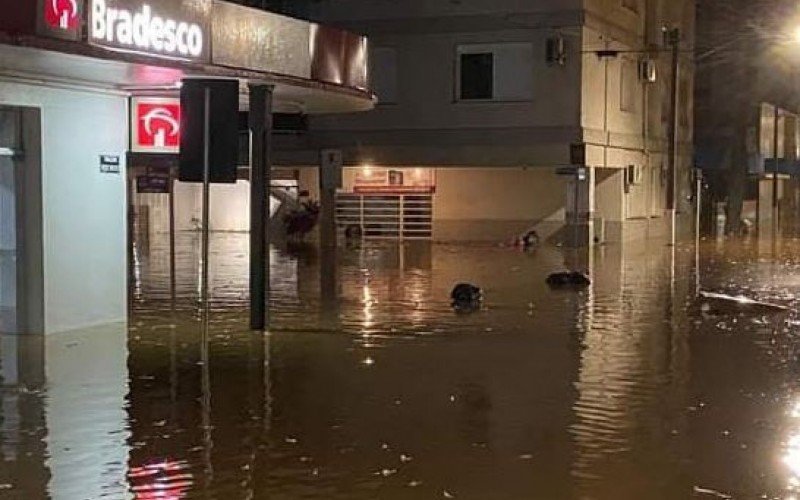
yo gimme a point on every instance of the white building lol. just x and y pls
(69, 85)
(484, 107)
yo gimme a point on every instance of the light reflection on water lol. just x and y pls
(369, 386)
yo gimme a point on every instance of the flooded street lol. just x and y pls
(370, 386)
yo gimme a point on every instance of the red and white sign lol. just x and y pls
(398, 181)
(156, 125)
(62, 14)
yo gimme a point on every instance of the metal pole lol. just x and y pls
(204, 289)
(775, 140)
(260, 123)
(698, 208)
(698, 205)
(204, 294)
(673, 37)
(172, 277)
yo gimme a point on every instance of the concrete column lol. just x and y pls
(330, 178)
(260, 170)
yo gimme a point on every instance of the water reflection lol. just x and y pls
(369, 386)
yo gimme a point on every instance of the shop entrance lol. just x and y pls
(20, 221)
(9, 146)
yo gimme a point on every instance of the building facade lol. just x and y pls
(495, 118)
(90, 120)
(748, 137)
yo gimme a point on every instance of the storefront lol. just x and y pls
(88, 93)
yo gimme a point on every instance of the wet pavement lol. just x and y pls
(370, 386)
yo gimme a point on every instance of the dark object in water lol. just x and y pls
(466, 294)
(353, 232)
(530, 240)
(721, 303)
(568, 279)
(299, 222)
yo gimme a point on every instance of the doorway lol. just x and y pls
(9, 150)
(21, 276)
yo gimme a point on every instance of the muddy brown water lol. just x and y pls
(370, 386)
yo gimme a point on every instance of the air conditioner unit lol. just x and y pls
(556, 51)
(635, 175)
(648, 70)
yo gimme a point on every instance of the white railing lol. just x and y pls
(387, 216)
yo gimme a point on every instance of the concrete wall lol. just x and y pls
(601, 102)
(497, 204)
(83, 210)
(426, 125)
(620, 133)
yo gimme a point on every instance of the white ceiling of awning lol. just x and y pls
(70, 69)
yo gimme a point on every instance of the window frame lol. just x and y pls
(458, 83)
(490, 48)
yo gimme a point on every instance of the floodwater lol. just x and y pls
(369, 386)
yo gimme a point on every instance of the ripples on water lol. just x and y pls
(369, 386)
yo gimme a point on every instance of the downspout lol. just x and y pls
(646, 119)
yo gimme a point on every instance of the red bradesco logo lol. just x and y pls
(62, 14)
(158, 125)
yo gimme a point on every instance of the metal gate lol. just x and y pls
(387, 216)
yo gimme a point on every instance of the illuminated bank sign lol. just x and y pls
(175, 29)
(60, 18)
(62, 14)
(156, 125)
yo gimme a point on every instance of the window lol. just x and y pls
(495, 72)
(629, 88)
(477, 76)
(383, 74)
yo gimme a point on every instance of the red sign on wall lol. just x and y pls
(62, 14)
(58, 18)
(156, 125)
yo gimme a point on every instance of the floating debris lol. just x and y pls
(568, 279)
(740, 303)
(706, 491)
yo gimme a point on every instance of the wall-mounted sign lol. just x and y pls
(572, 171)
(60, 18)
(109, 164)
(167, 28)
(153, 183)
(155, 125)
(382, 180)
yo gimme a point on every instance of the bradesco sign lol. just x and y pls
(164, 28)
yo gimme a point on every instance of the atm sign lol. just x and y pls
(156, 125)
